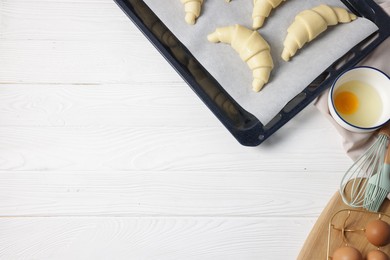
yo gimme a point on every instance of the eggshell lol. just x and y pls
(347, 253)
(377, 255)
(378, 232)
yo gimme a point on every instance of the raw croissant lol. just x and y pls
(192, 9)
(262, 9)
(252, 48)
(309, 24)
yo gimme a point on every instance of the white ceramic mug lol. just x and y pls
(359, 99)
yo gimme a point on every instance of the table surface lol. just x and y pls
(106, 153)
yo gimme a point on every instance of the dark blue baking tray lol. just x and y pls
(245, 127)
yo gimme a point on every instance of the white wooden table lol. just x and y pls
(105, 152)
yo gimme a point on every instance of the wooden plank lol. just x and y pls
(162, 149)
(75, 42)
(90, 20)
(86, 62)
(136, 105)
(164, 193)
(151, 238)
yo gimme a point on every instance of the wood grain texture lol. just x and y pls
(131, 105)
(77, 20)
(150, 238)
(75, 42)
(341, 216)
(158, 148)
(106, 153)
(164, 193)
(85, 62)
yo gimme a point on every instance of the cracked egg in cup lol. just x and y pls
(359, 99)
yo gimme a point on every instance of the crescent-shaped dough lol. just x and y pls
(309, 24)
(251, 47)
(192, 9)
(262, 9)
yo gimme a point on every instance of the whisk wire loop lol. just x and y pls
(364, 167)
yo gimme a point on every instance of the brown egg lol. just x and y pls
(347, 253)
(378, 232)
(377, 255)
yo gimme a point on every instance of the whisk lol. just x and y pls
(363, 168)
(378, 186)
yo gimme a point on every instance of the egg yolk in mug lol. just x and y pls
(346, 102)
(358, 103)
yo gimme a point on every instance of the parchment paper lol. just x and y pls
(287, 78)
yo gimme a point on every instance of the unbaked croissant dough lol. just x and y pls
(309, 24)
(252, 48)
(192, 9)
(262, 9)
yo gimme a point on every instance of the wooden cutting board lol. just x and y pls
(316, 244)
